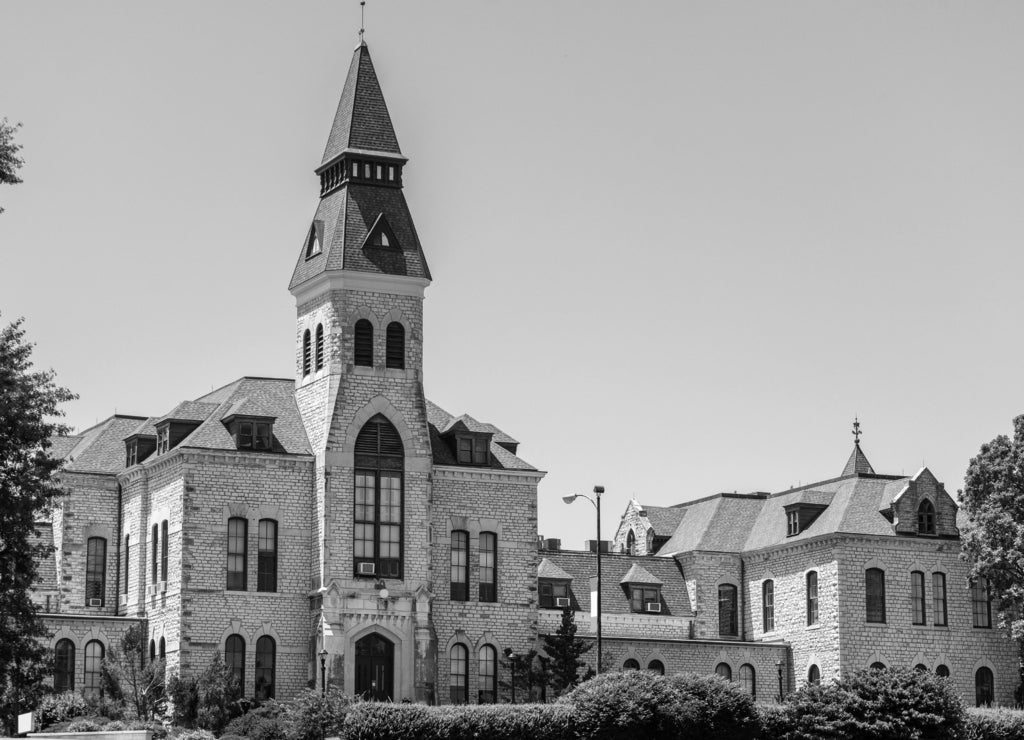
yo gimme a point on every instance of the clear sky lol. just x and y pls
(676, 246)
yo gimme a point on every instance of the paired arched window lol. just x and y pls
(363, 343)
(377, 531)
(748, 679)
(488, 692)
(926, 518)
(93, 683)
(460, 565)
(878, 666)
(812, 597)
(768, 605)
(307, 354)
(95, 571)
(319, 349)
(727, 621)
(921, 668)
(234, 658)
(874, 594)
(814, 675)
(238, 534)
(631, 665)
(266, 658)
(488, 566)
(266, 558)
(724, 670)
(656, 666)
(984, 687)
(394, 355)
(459, 672)
(64, 666)
(630, 543)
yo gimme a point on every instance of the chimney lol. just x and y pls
(592, 546)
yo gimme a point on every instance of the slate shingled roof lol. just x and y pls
(582, 566)
(99, 449)
(858, 462)
(664, 519)
(439, 419)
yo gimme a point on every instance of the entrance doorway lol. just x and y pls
(375, 668)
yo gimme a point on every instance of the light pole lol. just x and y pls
(778, 665)
(510, 654)
(323, 672)
(596, 501)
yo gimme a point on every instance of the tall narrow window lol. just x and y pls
(377, 519)
(724, 670)
(917, 596)
(981, 604)
(307, 359)
(488, 691)
(748, 679)
(266, 657)
(630, 543)
(874, 594)
(488, 566)
(93, 683)
(394, 357)
(154, 559)
(814, 675)
(266, 563)
(95, 571)
(939, 599)
(459, 670)
(163, 649)
(152, 650)
(124, 583)
(64, 666)
(238, 532)
(234, 658)
(363, 343)
(319, 354)
(812, 597)
(926, 518)
(768, 605)
(460, 565)
(163, 550)
(984, 687)
(727, 622)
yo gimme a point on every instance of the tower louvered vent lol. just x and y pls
(379, 437)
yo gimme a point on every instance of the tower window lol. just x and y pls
(366, 170)
(312, 242)
(874, 588)
(377, 517)
(306, 354)
(363, 341)
(380, 172)
(926, 518)
(319, 346)
(391, 173)
(630, 543)
(727, 622)
(394, 357)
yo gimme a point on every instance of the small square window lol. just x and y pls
(472, 451)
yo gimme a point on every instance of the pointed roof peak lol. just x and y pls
(362, 121)
(858, 463)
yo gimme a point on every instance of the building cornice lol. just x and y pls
(329, 281)
(486, 475)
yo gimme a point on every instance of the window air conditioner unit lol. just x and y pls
(562, 601)
(161, 587)
(95, 602)
(653, 606)
(122, 600)
(367, 569)
(150, 590)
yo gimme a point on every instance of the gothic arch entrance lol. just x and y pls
(375, 668)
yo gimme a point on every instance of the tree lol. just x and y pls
(29, 407)
(565, 649)
(10, 162)
(131, 679)
(993, 535)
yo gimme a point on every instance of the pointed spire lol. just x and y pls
(362, 121)
(858, 462)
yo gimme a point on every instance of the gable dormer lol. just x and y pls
(469, 441)
(553, 587)
(643, 589)
(138, 447)
(923, 508)
(804, 509)
(251, 432)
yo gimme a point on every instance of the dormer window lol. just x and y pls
(926, 518)
(645, 599)
(472, 450)
(793, 522)
(800, 515)
(251, 433)
(554, 594)
(163, 439)
(313, 242)
(391, 173)
(132, 453)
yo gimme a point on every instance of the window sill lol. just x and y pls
(815, 626)
(876, 624)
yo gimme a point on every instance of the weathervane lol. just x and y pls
(362, 20)
(856, 431)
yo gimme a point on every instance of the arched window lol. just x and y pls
(812, 597)
(631, 665)
(163, 550)
(64, 666)
(266, 557)
(95, 571)
(363, 343)
(656, 666)
(874, 594)
(768, 605)
(921, 668)
(917, 597)
(942, 670)
(748, 679)
(724, 670)
(152, 650)
(265, 664)
(377, 533)
(460, 565)
(319, 355)
(488, 691)
(93, 669)
(939, 599)
(394, 356)
(984, 687)
(877, 666)
(926, 518)
(307, 359)
(238, 534)
(234, 658)
(814, 675)
(459, 670)
(163, 649)
(727, 622)
(630, 543)
(488, 566)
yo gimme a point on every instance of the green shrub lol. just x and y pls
(886, 704)
(83, 725)
(491, 721)
(373, 721)
(61, 707)
(313, 716)
(196, 735)
(115, 726)
(774, 721)
(622, 706)
(717, 709)
(995, 724)
(265, 722)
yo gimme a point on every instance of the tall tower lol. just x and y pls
(358, 284)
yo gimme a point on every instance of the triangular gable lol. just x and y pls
(638, 574)
(381, 235)
(547, 569)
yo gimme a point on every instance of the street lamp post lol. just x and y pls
(510, 654)
(778, 665)
(323, 672)
(596, 501)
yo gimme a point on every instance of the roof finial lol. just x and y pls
(362, 20)
(856, 431)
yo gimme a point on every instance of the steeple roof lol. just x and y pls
(858, 463)
(362, 121)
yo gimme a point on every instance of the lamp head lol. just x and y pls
(598, 490)
(570, 499)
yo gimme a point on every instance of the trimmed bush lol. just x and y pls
(492, 721)
(265, 722)
(313, 716)
(886, 704)
(775, 722)
(995, 724)
(196, 735)
(115, 726)
(61, 707)
(720, 709)
(83, 725)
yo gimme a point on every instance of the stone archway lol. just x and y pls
(375, 668)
